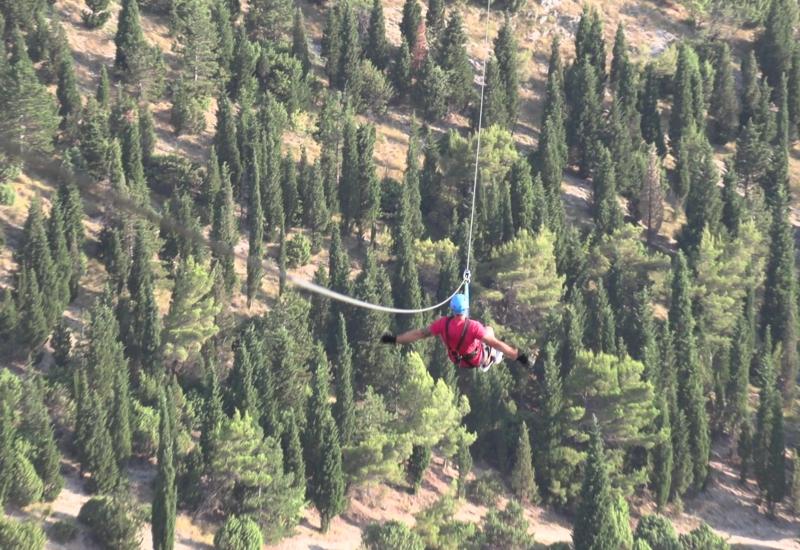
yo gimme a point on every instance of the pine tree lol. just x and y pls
(166, 496)
(196, 48)
(651, 116)
(724, 109)
(94, 143)
(687, 107)
(368, 185)
(37, 430)
(28, 114)
(431, 92)
(350, 55)
(594, 527)
(121, 422)
(703, 200)
(212, 414)
(607, 214)
(690, 389)
(523, 482)
(775, 44)
(323, 453)
(744, 448)
(344, 408)
(138, 63)
(464, 464)
(412, 17)
(377, 48)
(223, 231)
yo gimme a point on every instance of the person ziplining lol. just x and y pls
(469, 344)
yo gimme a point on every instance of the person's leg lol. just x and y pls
(491, 355)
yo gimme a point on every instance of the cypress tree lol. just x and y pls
(409, 24)
(94, 143)
(732, 202)
(417, 465)
(553, 428)
(7, 451)
(744, 448)
(623, 152)
(661, 474)
(147, 133)
(651, 116)
(103, 93)
(619, 57)
(523, 197)
(505, 51)
(523, 482)
(243, 66)
(687, 109)
(62, 349)
(377, 48)
(724, 109)
(590, 45)
(35, 253)
(132, 161)
(767, 378)
(332, 45)
(62, 262)
(323, 452)
(37, 430)
(607, 213)
(344, 408)
(794, 494)
(703, 201)
(316, 214)
(28, 114)
(223, 231)
(793, 95)
(69, 98)
(431, 93)
(100, 459)
(594, 526)
(120, 422)
(98, 14)
(401, 70)
(368, 185)
(776, 43)
(212, 414)
(586, 116)
(434, 17)
(293, 450)
(350, 49)
(776, 462)
(221, 15)
(780, 294)
(132, 48)
(690, 388)
(411, 209)
(255, 220)
(739, 376)
(166, 495)
(226, 142)
(464, 465)
(300, 41)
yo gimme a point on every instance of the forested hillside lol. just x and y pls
(170, 168)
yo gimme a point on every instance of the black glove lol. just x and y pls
(523, 360)
(388, 339)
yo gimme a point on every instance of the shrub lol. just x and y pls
(145, 429)
(26, 485)
(376, 90)
(392, 535)
(298, 251)
(7, 195)
(484, 491)
(168, 173)
(239, 533)
(21, 535)
(112, 525)
(63, 531)
(506, 529)
(658, 532)
(703, 538)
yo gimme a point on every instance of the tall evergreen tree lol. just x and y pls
(344, 408)
(28, 114)
(412, 17)
(594, 525)
(585, 115)
(35, 254)
(691, 400)
(138, 63)
(377, 47)
(794, 95)
(607, 213)
(724, 109)
(434, 18)
(69, 98)
(323, 451)
(775, 44)
(619, 57)
(523, 482)
(226, 142)
(505, 52)
(661, 475)
(368, 185)
(223, 231)
(651, 116)
(255, 220)
(687, 109)
(451, 56)
(166, 495)
(300, 41)
(268, 20)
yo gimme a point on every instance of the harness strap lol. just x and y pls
(455, 352)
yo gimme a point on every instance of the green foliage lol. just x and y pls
(703, 538)
(523, 482)
(63, 531)
(775, 44)
(505, 529)
(437, 528)
(21, 534)
(191, 319)
(165, 499)
(112, 522)
(238, 533)
(464, 465)
(391, 535)
(417, 466)
(484, 490)
(658, 532)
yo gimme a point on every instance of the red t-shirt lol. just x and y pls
(472, 339)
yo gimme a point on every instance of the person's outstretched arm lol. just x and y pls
(508, 351)
(407, 337)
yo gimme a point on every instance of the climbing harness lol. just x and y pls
(459, 359)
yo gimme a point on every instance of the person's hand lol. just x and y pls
(388, 339)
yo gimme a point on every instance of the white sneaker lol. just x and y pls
(494, 357)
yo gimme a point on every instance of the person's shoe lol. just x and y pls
(495, 358)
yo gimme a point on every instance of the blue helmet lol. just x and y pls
(459, 304)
